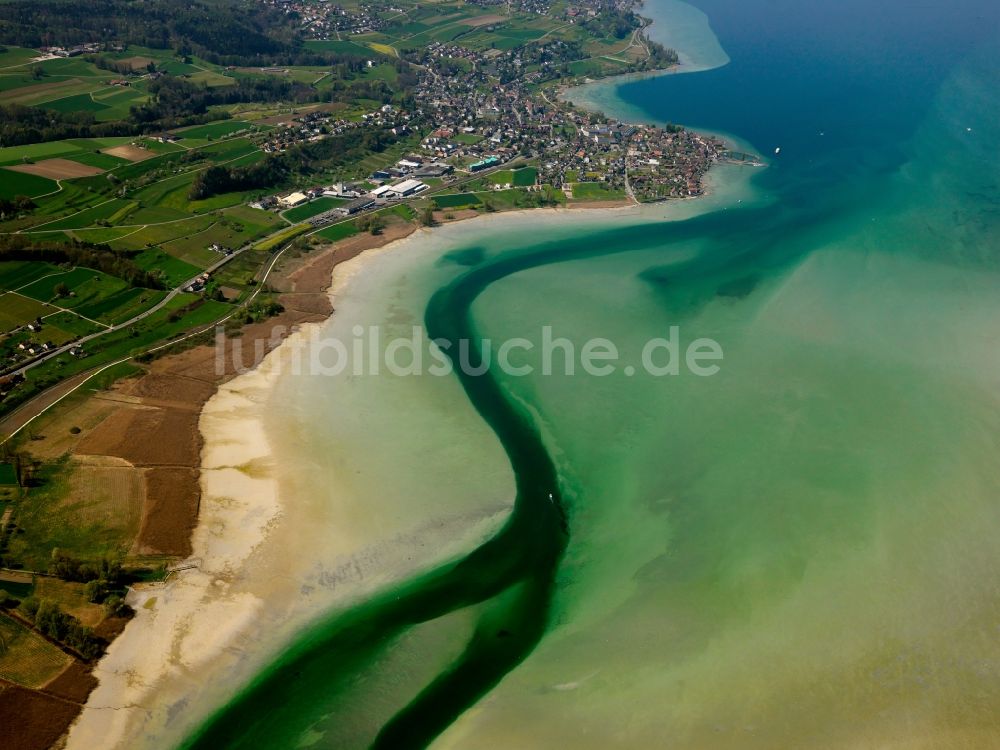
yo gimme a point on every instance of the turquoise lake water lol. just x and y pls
(796, 552)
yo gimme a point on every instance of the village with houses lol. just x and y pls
(475, 111)
(470, 124)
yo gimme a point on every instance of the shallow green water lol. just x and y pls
(796, 552)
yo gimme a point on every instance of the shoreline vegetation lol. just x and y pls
(218, 413)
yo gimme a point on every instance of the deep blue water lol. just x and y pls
(837, 85)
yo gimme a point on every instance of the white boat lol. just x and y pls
(777, 150)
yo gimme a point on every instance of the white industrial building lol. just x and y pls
(408, 187)
(295, 199)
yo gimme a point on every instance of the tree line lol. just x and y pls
(304, 158)
(177, 102)
(222, 31)
(99, 257)
(21, 125)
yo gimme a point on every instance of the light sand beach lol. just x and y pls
(262, 567)
(288, 530)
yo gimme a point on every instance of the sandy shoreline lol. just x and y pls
(217, 623)
(190, 634)
(192, 630)
(191, 620)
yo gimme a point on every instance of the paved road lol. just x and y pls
(34, 408)
(131, 321)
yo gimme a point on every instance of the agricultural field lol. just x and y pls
(277, 240)
(308, 210)
(595, 191)
(98, 159)
(158, 234)
(181, 314)
(14, 184)
(473, 27)
(76, 103)
(120, 306)
(20, 154)
(213, 130)
(18, 273)
(20, 584)
(70, 596)
(93, 301)
(56, 169)
(457, 200)
(65, 326)
(337, 232)
(229, 230)
(344, 47)
(173, 271)
(76, 85)
(8, 478)
(14, 56)
(102, 212)
(84, 286)
(16, 311)
(85, 511)
(25, 657)
(240, 273)
(55, 80)
(107, 103)
(524, 177)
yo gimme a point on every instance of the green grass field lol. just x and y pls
(86, 218)
(525, 177)
(76, 103)
(17, 273)
(120, 305)
(50, 522)
(338, 231)
(13, 56)
(307, 211)
(66, 326)
(97, 235)
(174, 270)
(13, 184)
(458, 200)
(469, 138)
(157, 328)
(344, 47)
(591, 191)
(161, 233)
(16, 311)
(231, 228)
(34, 151)
(8, 477)
(230, 149)
(97, 159)
(213, 130)
(85, 286)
